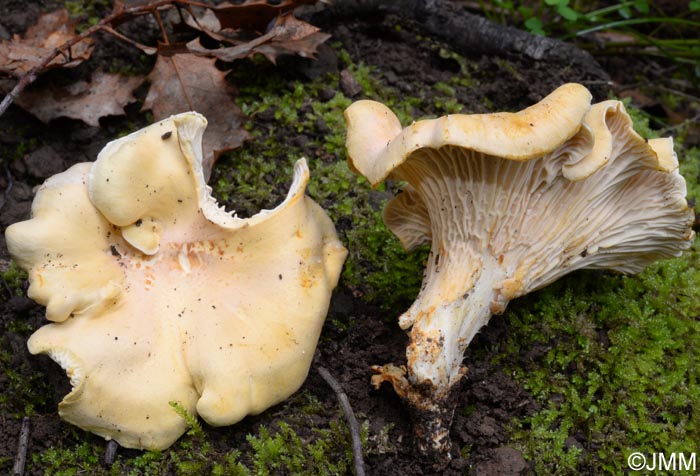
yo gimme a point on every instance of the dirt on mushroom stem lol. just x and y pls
(432, 410)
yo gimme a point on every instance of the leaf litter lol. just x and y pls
(184, 77)
(104, 95)
(183, 82)
(19, 55)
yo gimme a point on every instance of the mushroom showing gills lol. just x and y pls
(158, 295)
(509, 203)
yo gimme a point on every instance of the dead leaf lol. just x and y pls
(105, 95)
(293, 37)
(202, 19)
(254, 14)
(19, 55)
(203, 89)
(288, 35)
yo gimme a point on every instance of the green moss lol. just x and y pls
(295, 446)
(329, 113)
(258, 176)
(87, 12)
(508, 67)
(379, 268)
(689, 160)
(26, 390)
(195, 428)
(619, 366)
(444, 89)
(28, 144)
(146, 463)
(464, 64)
(284, 452)
(248, 181)
(81, 459)
(640, 120)
(14, 277)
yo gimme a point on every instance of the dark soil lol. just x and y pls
(403, 61)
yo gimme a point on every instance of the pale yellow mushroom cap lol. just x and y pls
(377, 144)
(510, 202)
(159, 295)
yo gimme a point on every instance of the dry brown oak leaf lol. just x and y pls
(105, 95)
(184, 82)
(288, 36)
(254, 14)
(19, 55)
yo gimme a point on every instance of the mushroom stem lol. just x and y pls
(441, 330)
(431, 408)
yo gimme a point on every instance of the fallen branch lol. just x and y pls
(111, 452)
(471, 34)
(353, 425)
(21, 458)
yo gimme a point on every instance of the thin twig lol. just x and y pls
(349, 418)
(159, 19)
(21, 458)
(25, 81)
(149, 50)
(111, 452)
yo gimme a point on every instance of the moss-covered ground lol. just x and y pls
(615, 361)
(292, 444)
(615, 357)
(611, 360)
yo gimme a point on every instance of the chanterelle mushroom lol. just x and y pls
(509, 203)
(158, 295)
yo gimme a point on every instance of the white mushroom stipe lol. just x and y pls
(157, 294)
(509, 203)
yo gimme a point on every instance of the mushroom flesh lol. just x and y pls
(158, 295)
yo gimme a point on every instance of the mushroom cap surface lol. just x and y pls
(377, 144)
(158, 295)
